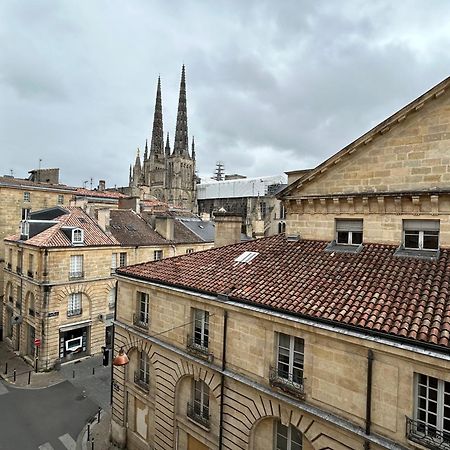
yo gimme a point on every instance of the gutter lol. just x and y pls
(407, 344)
(315, 411)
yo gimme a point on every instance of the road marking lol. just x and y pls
(68, 442)
(3, 389)
(46, 446)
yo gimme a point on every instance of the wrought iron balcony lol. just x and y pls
(76, 275)
(199, 349)
(138, 322)
(286, 383)
(427, 435)
(199, 415)
(144, 384)
(74, 312)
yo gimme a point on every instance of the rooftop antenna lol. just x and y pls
(39, 170)
(91, 183)
(85, 182)
(11, 172)
(219, 174)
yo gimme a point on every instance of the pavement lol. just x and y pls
(90, 379)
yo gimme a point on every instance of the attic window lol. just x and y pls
(246, 257)
(77, 236)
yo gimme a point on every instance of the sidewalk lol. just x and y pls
(98, 434)
(25, 375)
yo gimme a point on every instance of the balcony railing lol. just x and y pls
(30, 274)
(199, 349)
(138, 322)
(143, 384)
(74, 312)
(198, 414)
(286, 383)
(427, 435)
(76, 275)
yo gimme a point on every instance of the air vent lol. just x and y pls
(293, 238)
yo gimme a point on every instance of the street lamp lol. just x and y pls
(121, 359)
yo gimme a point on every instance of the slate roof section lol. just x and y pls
(129, 228)
(372, 290)
(55, 236)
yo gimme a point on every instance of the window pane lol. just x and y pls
(412, 239)
(430, 242)
(357, 237)
(342, 237)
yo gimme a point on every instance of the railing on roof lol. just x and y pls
(427, 435)
(286, 383)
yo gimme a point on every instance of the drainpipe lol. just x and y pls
(112, 343)
(222, 377)
(368, 397)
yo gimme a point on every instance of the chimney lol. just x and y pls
(101, 185)
(133, 203)
(164, 225)
(228, 228)
(103, 218)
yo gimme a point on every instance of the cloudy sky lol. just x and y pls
(272, 85)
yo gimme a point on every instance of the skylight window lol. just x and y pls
(246, 257)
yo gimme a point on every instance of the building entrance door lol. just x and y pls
(194, 444)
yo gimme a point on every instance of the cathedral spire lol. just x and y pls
(146, 151)
(167, 145)
(181, 146)
(157, 144)
(193, 149)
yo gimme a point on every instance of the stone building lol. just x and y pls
(165, 174)
(335, 336)
(254, 199)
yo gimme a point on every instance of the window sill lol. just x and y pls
(334, 247)
(430, 255)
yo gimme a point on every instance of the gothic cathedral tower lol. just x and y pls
(169, 176)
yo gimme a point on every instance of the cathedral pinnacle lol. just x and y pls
(181, 146)
(193, 148)
(157, 144)
(146, 151)
(167, 145)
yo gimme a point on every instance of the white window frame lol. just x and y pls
(76, 266)
(417, 226)
(158, 255)
(422, 413)
(123, 259)
(143, 310)
(349, 226)
(144, 368)
(200, 329)
(26, 196)
(75, 304)
(200, 399)
(189, 251)
(292, 356)
(60, 199)
(287, 434)
(77, 236)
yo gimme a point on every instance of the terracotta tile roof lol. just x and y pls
(372, 290)
(55, 236)
(100, 194)
(131, 229)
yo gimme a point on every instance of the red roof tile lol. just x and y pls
(100, 194)
(373, 289)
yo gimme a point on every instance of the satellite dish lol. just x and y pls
(16, 320)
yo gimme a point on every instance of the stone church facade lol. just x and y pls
(168, 175)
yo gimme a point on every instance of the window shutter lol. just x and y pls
(349, 225)
(421, 225)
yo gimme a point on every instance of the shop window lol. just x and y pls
(430, 426)
(198, 407)
(287, 438)
(74, 307)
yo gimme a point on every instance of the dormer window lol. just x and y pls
(24, 230)
(77, 236)
(349, 231)
(421, 234)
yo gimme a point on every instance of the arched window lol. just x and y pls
(287, 438)
(31, 304)
(198, 407)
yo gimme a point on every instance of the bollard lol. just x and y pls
(14, 375)
(93, 371)
(6, 368)
(98, 414)
(92, 444)
(29, 377)
(73, 373)
(89, 432)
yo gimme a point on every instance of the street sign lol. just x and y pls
(37, 342)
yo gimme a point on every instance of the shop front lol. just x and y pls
(74, 341)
